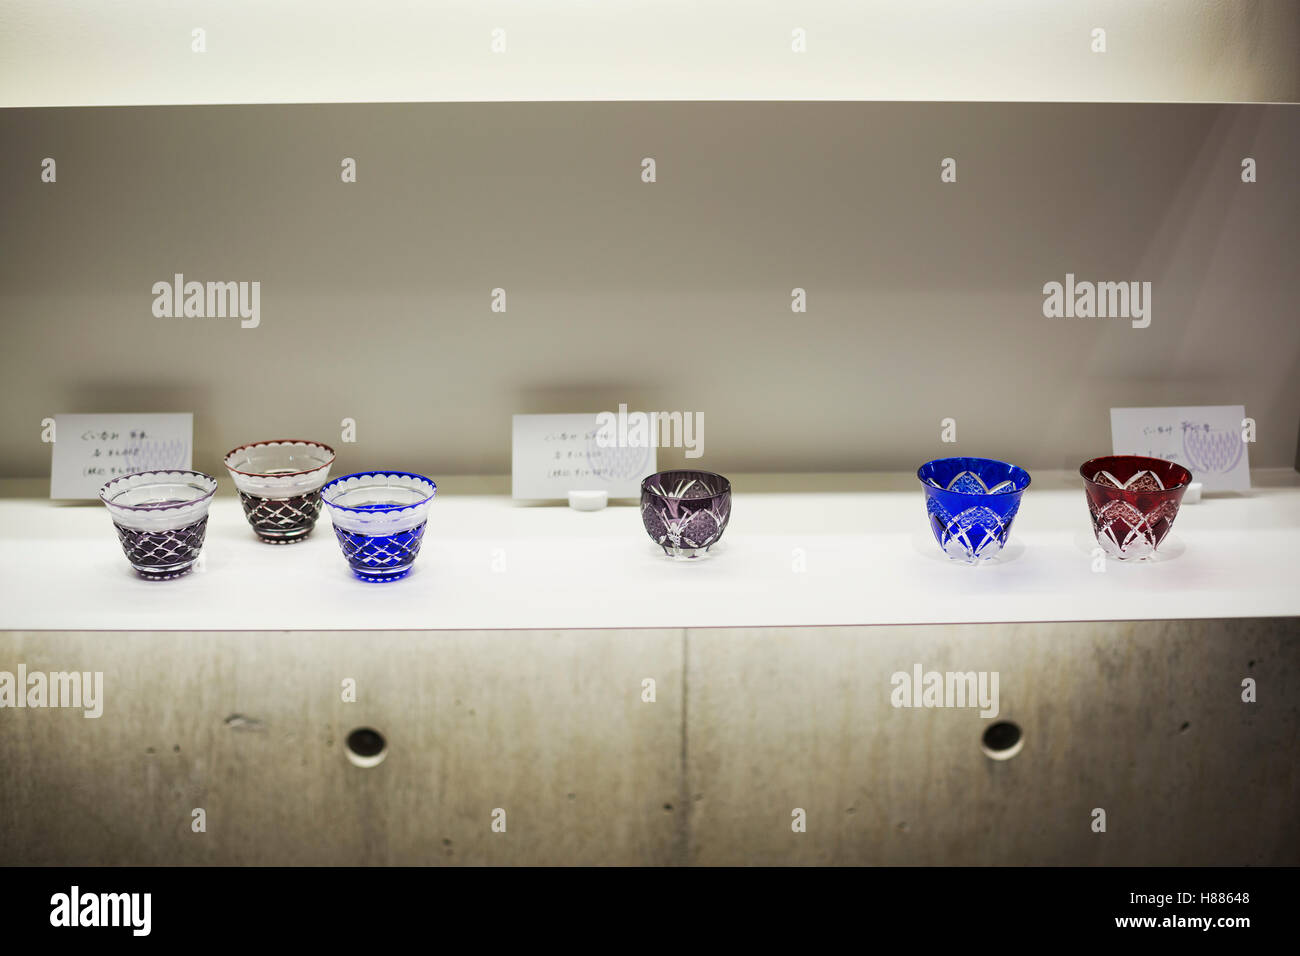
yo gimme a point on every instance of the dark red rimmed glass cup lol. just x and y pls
(279, 485)
(1133, 501)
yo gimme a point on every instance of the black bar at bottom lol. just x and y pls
(645, 907)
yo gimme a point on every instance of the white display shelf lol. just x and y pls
(867, 553)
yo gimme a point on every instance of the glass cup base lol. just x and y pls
(1134, 555)
(381, 577)
(164, 573)
(1138, 549)
(684, 554)
(960, 554)
(282, 537)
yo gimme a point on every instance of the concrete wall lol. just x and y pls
(925, 299)
(1142, 719)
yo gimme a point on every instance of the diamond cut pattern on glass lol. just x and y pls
(381, 557)
(971, 535)
(281, 520)
(1124, 531)
(1132, 501)
(160, 555)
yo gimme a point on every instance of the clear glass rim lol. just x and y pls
(280, 441)
(196, 480)
(325, 491)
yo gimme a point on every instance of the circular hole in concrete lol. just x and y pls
(366, 747)
(1002, 741)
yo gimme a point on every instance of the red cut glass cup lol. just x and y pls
(1133, 501)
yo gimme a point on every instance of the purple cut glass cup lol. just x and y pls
(685, 512)
(161, 518)
(279, 486)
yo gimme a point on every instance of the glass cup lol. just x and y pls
(379, 519)
(279, 486)
(685, 512)
(1133, 501)
(971, 503)
(161, 518)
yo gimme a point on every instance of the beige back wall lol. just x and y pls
(924, 298)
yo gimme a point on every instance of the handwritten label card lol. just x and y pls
(1206, 439)
(555, 454)
(92, 449)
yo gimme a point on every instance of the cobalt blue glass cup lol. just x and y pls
(379, 519)
(971, 503)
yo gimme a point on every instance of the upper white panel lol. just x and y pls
(145, 52)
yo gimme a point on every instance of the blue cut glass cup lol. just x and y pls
(379, 518)
(971, 503)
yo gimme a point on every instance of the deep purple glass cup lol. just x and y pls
(685, 512)
(161, 519)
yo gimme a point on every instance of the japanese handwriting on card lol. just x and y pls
(92, 449)
(552, 455)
